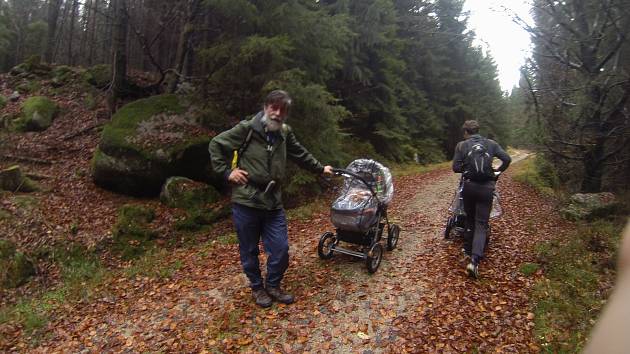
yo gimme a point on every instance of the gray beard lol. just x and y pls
(270, 124)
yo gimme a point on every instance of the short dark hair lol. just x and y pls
(471, 127)
(278, 97)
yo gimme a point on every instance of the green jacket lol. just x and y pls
(261, 164)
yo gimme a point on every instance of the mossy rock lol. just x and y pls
(62, 75)
(182, 192)
(3, 101)
(37, 114)
(196, 219)
(29, 86)
(13, 180)
(149, 140)
(590, 206)
(132, 235)
(31, 67)
(15, 267)
(98, 75)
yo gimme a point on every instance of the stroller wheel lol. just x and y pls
(393, 231)
(448, 229)
(326, 245)
(374, 256)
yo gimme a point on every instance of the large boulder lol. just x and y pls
(148, 141)
(182, 192)
(587, 206)
(15, 267)
(37, 114)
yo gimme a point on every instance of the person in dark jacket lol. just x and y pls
(477, 193)
(252, 157)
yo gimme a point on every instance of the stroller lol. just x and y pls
(456, 223)
(359, 214)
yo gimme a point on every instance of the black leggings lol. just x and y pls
(477, 205)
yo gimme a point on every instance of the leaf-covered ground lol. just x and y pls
(420, 300)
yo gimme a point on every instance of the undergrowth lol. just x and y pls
(80, 271)
(579, 271)
(578, 266)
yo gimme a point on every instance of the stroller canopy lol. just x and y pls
(375, 174)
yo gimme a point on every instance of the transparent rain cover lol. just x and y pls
(355, 209)
(457, 205)
(375, 174)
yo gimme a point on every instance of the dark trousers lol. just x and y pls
(477, 205)
(253, 224)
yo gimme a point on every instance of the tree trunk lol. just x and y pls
(593, 170)
(84, 41)
(183, 45)
(106, 48)
(92, 34)
(73, 13)
(53, 16)
(119, 66)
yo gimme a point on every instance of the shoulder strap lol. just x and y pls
(241, 149)
(245, 142)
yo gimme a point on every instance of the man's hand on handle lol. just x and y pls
(238, 176)
(328, 170)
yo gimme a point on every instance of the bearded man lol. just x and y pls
(258, 149)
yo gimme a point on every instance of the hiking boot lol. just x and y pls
(277, 294)
(473, 270)
(261, 297)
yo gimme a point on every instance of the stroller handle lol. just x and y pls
(344, 172)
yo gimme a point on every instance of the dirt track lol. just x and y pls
(420, 300)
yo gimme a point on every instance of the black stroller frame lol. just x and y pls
(456, 222)
(370, 241)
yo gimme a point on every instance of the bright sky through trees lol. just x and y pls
(508, 43)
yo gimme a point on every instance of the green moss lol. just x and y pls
(125, 122)
(576, 266)
(29, 86)
(15, 267)
(62, 75)
(90, 101)
(81, 272)
(37, 113)
(25, 201)
(538, 173)
(153, 265)
(196, 219)
(229, 239)
(7, 249)
(132, 235)
(3, 101)
(529, 268)
(5, 215)
(181, 192)
(98, 75)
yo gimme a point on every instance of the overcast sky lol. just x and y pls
(508, 44)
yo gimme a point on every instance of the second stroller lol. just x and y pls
(456, 222)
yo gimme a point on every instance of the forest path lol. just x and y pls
(420, 300)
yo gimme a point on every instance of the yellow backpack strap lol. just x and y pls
(241, 149)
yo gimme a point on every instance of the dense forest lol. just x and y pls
(398, 77)
(388, 78)
(574, 92)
